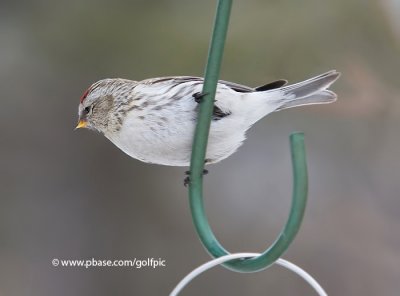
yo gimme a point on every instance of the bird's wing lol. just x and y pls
(272, 85)
(183, 79)
(235, 86)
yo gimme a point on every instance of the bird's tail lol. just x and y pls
(311, 91)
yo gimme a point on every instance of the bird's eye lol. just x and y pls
(86, 110)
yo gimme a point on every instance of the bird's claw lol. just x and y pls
(186, 181)
(199, 96)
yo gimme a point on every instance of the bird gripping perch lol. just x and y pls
(299, 197)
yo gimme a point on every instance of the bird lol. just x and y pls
(154, 120)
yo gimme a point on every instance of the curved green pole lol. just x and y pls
(198, 156)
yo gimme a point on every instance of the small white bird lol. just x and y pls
(154, 120)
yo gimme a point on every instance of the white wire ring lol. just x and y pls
(188, 278)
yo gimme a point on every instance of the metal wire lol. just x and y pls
(206, 266)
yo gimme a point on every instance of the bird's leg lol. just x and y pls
(199, 96)
(186, 181)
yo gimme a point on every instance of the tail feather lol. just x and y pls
(321, 97)
(311, 91)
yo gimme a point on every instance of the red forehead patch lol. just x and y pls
(85, 94)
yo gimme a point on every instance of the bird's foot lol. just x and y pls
(199, 96)
(186, 181)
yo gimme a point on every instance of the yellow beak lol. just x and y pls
(81, 124)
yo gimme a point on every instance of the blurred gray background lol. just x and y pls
(73, 195)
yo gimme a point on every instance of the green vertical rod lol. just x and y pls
(200, 220)
(203, 127)
(209, 88)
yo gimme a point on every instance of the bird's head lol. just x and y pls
(96, 105)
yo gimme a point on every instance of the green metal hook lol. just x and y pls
(200, 220)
